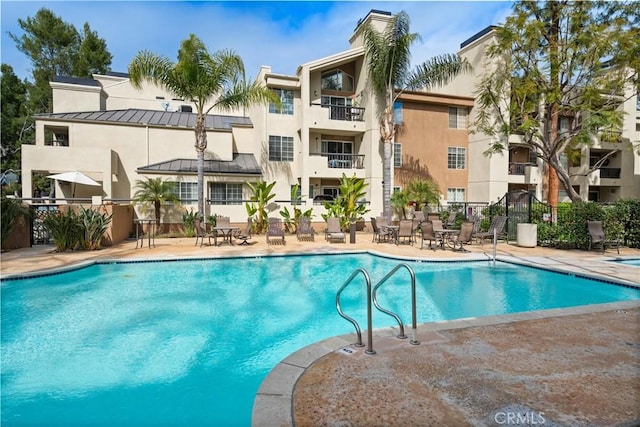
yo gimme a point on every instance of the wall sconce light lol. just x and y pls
(315, 93)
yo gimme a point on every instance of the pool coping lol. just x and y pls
(273, 404)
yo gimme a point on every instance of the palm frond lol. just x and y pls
(437, 71)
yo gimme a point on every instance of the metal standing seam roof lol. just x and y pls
(137, 116)
(242, 164)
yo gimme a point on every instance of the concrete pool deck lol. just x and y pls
(577, 366)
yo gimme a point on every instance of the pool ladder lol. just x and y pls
(372, 296)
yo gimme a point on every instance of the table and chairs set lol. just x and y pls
(419, 228)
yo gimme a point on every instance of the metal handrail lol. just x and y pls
(369, 349)
(414, 323)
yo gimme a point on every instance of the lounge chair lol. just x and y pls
(498, 224)
(405, 231)
(244, 235)
(379, 233)
(305, 231)
(596, 235)
(465, 237)
(201, 233)
(334, 232)
(427, 232)
(275, 231)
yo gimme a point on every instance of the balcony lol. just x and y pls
(333, 165)
(337, 117)
(609, 173)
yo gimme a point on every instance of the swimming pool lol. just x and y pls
(633, 262)
(189, 342)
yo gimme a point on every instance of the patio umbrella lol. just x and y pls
(75, 177)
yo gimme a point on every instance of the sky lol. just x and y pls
(279, 34)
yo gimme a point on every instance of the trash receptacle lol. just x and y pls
(352, 232)
(527, 235)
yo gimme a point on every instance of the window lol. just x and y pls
(397, 155)
(56, 136)
(456, 157)
(397, 112)
(337, 80)
(225, 194)
(280, 148)
(286, 98)
(457, 118)
(455, 195)
(337, 147)
(564, 126)
(186, 191)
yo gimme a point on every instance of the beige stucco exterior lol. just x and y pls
(113, 153)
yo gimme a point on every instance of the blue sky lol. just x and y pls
(280, 34)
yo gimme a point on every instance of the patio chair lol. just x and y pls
(379, 233)
(499, 224)
(244, 235)
(465, 237)
(418, 216)
(305, 231)
(596, 235)
(334, 232)
(275, 231)
(451, 221)
(406, 230)
(426, 229)
(201, 233)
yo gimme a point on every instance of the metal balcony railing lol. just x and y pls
(611, 173)
(346, 113)
(343, 161)
(518, 168)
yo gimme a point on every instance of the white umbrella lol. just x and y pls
(75, 177)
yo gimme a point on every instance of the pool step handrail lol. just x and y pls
(495, 246)
(414, 323)
(367, 279)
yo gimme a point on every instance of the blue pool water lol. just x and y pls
(189, 342)
(633, 262)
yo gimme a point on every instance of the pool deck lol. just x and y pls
(576, 366)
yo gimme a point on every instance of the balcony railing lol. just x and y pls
(518, 168)
(346, 113)
(611, 173)
(343, 161)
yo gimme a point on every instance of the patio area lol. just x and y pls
(576, 366)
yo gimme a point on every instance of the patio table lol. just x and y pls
(225, 232)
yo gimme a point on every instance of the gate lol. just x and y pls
(520, 207)
(39, 234)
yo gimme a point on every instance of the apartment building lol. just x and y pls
(327, 125)
(490, 177)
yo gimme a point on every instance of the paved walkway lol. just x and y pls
(578, 366)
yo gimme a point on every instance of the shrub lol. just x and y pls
(95, 224)
(65, 228)
(189, 221)
(10, 209)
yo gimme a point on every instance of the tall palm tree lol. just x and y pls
(388, 60)
(208, 80)
(156, 191)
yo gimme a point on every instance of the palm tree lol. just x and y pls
(208, 80)
(156, 191)
(388, 60)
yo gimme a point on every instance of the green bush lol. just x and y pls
(70, 231)
(189, 221)
(10, 209)
(95, 224)
(65, 228)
